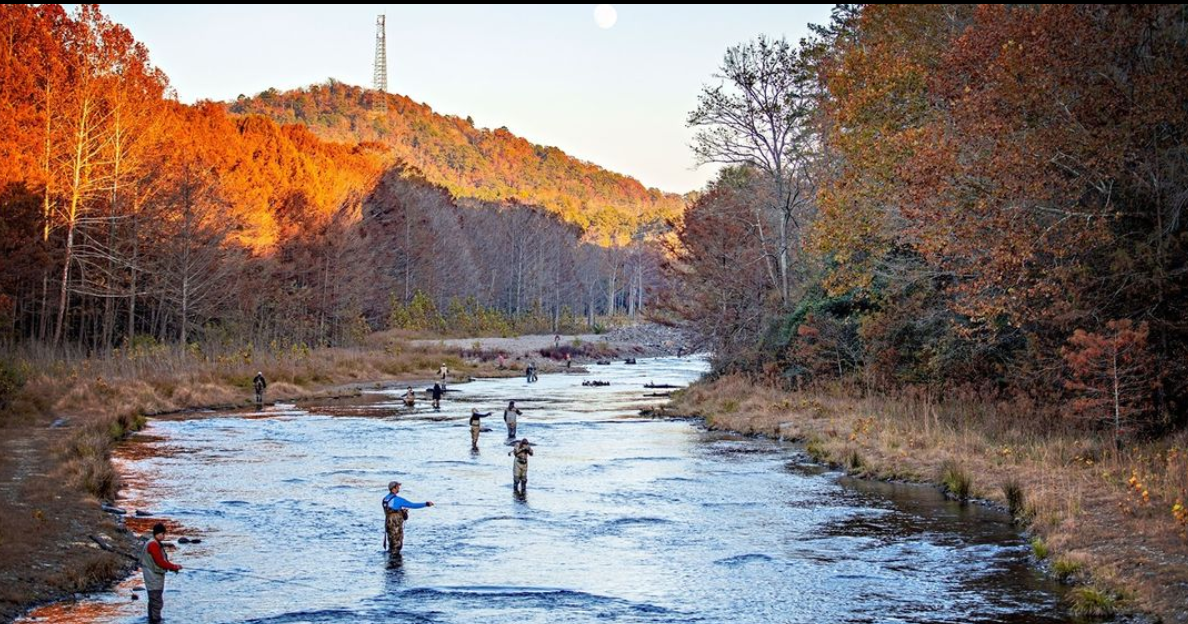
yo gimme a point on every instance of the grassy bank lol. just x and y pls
(57, 433)
(1111, 522)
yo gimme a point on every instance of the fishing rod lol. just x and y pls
(113, 549)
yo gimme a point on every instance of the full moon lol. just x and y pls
(605, 15)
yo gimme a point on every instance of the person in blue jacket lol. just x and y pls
(395, 513)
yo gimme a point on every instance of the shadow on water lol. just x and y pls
(631, 520)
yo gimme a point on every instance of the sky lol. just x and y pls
(617, 96)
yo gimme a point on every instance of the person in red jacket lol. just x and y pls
(155, 563)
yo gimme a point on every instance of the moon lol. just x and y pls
(605, 16)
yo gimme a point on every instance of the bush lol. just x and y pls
(956, 480)
(1086, 601)
(95, 475)
(1039, 548)
(1065, 569)
(1016, 500)
(12, 379)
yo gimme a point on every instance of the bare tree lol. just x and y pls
(759, 116)
(198, 262)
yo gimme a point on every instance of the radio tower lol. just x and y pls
(381, 61)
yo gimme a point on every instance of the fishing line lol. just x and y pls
(251, 576)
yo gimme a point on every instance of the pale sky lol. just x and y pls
(617, 97)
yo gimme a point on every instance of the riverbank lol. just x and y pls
(55, 469)
(1106, 521)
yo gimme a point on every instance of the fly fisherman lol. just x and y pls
(476, 425)
(509, 417)
(436, 393)
(395, 513)
(154, 563)
(259, 384)
(522, 451)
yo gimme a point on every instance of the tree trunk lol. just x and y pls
(131, 331)
(62, 294)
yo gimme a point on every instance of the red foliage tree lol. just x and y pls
(1112, 376)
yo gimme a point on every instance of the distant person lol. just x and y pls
(557, 341)
(476, 425)
(522, 451)
(154, 563)
(509, 417)
(395, 513)
(259, 384)
(568, 362)
(410, 397)
(502, 364)
(530, 371)
(436, 393)
(443, 372)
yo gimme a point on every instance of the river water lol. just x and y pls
(626, 519)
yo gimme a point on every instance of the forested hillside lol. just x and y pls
(472, 162)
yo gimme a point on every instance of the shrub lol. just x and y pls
(956, 480)
(1086, 601)
(854, 460)
(1016, 500)
(1065, 568)
(12, 379)
(1039, 548)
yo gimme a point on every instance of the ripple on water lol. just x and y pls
(549, 599)
(739, 560)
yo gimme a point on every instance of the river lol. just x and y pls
(626, 519)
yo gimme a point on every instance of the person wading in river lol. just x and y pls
(410, 398)
(530, 372)
(259, 384)
(436, 393)
(509, 417)
(476, 425)
(154, 563)
(521, 451)
(395, 513)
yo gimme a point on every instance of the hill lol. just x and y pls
(471, 162)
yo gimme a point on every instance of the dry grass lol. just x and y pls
(1120, 514)
(107, 398)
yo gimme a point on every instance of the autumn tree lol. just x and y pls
(720, 261)
(759, 117)
(1112, 376)
(98, 124)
